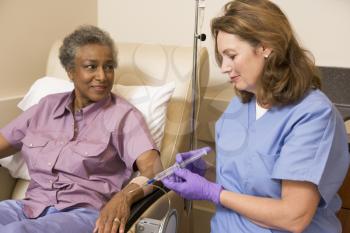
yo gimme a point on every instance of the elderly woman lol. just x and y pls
(80, 148)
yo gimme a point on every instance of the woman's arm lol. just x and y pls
(5, 148)
(149, 164)
(293, 212)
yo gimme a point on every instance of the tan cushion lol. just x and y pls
(20, 189)
(7, 184)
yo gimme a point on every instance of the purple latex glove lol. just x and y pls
(193, 186)
(199, 166)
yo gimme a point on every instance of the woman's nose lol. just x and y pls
(100, 74)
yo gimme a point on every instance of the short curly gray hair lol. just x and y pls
(83, 35)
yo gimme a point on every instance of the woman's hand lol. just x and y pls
(193, 186)
(116, 212)
(114, 215)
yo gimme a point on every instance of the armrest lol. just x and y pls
(7, 184)
(140, 206)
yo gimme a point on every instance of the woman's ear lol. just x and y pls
(70, 74)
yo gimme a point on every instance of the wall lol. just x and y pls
(28, 29)
(322, 25)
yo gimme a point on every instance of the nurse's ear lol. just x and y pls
(266, 52)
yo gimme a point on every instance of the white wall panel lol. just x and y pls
(322, 26)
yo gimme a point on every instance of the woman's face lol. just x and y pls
(242, 62)
(92, 75)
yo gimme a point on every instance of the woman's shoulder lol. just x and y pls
(122, 105)
(49, 101)
(53, 98)
(120, 102)
(120, 110)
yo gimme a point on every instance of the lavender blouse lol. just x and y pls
(81, 169)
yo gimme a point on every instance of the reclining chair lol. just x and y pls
(336, 86)
(154, 65)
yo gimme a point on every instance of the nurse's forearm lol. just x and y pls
(257, 209)
(292, 212)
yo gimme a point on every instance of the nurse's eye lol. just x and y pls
(232, 57)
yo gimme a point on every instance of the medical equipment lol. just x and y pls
(168, 224)
(199, 11)
(197, 154)
(148, 225)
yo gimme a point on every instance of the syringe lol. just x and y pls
(197, 154)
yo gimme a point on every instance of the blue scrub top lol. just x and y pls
(306, 141)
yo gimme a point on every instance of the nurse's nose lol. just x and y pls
(225, 68)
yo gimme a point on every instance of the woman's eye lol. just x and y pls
(109, 67)
(90, 67)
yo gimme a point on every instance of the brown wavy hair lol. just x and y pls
(289, 71)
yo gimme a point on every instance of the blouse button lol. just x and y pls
(86, 153)
(31, 145)
(49, 164)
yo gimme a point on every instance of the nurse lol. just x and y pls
(281, 145)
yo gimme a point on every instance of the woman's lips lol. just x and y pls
(99, 88)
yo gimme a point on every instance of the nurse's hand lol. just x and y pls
(199, 166)
(193, 186)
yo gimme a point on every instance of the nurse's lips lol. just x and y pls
(233, 78)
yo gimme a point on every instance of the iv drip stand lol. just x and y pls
(193, 123)
(197, 37)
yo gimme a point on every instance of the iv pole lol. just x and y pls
(193, 123)
(197, 37)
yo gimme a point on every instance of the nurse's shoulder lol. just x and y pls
(314, 101)
(318, 96)
(315, 104)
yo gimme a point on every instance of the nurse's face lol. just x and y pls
(242, 62)
(92, 75)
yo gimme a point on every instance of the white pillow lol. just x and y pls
(151, 101)
(16, 166)
(43, 87)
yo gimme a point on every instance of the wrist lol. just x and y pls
(126, 196)
(129, 198)
(215, 191)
